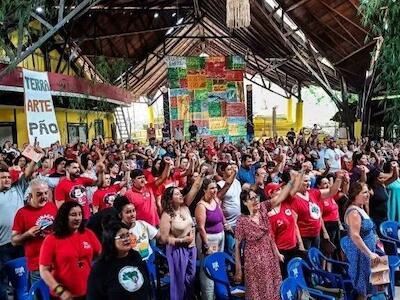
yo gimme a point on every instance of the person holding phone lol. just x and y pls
(32, 224)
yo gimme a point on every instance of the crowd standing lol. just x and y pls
(88, 216)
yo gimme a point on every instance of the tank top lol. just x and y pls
(214, 220)
(181, 225)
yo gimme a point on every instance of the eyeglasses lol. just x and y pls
(123, 237)
(254, 198)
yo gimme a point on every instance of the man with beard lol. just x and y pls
(32, 224)
(106, 193)
(73, 187)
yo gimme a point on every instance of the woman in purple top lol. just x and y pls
(210, 223)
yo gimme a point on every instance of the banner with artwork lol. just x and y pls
(208, 91)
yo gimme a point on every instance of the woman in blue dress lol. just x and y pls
(360, 244)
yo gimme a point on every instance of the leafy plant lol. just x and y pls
(111, 68)
(383, 16)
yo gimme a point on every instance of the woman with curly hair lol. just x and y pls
(66, 255)
(176, 229)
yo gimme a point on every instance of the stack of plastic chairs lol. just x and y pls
(216, 267)
(18, 276)
(39, 288)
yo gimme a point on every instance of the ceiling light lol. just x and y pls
(39, 9)
(179, 21)
(156, 15)
(170, 30)
(174, 14)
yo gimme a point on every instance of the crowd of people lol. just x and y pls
(87, 217)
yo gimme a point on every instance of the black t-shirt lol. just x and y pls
(193, 130)
(378, 209)
(121, 278)
(116, 179)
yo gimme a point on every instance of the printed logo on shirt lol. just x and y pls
(315, 212)
(78, 194)
(146, 195)
(130, 278)
(109, 198)
(86, 245)
(45, 223)
(288, 212)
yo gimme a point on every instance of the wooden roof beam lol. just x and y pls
(343, 16)
(296, 5)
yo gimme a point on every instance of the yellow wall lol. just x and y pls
(64, 116)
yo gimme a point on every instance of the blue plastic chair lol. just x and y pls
(17, 274)
(291, 290)
(317, 259)
(390, 231)
(159, 283)
(39, 288)
(390, 248)
(216, 266)
(310, 279)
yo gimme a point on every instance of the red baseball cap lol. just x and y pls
(272, 187)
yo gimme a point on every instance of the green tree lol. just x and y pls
(383, 16)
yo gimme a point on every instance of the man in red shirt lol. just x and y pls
(141, 195)
(32, 224)
(105, 195)
(73, 187)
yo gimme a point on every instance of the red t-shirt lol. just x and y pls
(309, 213)
(283, 225)
(330, 209)
(74, 190)
(26, 218)
(104, 197)
(71, 259)
(170, 181)
(145, 204)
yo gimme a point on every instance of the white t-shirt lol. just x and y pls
(230, 203)
(141, 235)
(334, 155)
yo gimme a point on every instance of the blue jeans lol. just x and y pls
(229, 243)
(7, 253)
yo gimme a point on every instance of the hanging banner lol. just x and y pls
(39, 109)
(207, 90)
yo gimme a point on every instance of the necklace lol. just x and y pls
(181, 216)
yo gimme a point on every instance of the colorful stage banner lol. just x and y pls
(208, 91)
(40, 115)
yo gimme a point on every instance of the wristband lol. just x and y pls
(59, 290)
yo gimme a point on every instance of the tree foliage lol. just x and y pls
(383, 16)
